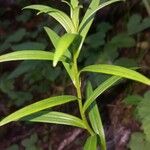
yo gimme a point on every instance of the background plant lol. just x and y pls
(140, 140)
(71, 41)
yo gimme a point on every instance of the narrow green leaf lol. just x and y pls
(74, 3)
(38, 106)
(56, 118)
(60, 16)
(91, 143)
(54, 37)
(91, 15)
(27, 55)
(93, 5)
(95, 118)
(99, 90)
(117, 71)
(75, 16)
(62, 45)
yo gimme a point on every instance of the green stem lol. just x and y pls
(78, 88)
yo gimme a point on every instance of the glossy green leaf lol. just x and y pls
(63, 44)
(95, 118)
(83, 31)
(99, 90)
(56, 118)
(74, 3)
(90, 15)
(75, 16)
(91, 143)
(38, 106)
(93, 5)
(54, 37)
(27, 55)
(75, 11)
(117, 71)
(60, 16)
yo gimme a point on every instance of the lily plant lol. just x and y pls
(67, 50)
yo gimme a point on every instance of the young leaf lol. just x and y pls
(99, 90)
(75, 16)
(91, 143)
(95, 118)
(74, 3)
(27, 55)
(60, 16)
(90, 16)
(62, 45)
(38, 106)
(117, 71)
(56, 118)
(54, 37)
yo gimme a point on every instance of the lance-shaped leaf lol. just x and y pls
(75, 11)
(63, 44)
(93, 5)
(91, 143)
(56, 118)
(27, 55)
(90, 16)
(95, 118)
(60, 16)
(99, 90)
(117, 71)
(74, 3)
(54, 37)
(38, 106)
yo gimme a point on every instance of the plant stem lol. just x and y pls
(79, 95)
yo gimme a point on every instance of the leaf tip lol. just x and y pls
(2, 123)
(54, 63)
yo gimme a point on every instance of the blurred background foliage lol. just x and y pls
(120, 35)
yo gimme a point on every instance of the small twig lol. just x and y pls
(147, 6)
(69, 139)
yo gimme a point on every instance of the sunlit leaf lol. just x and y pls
(60, 16)
(99, 90)
(117, 71)
(38, 106)
(56, 118)
(95, 118)
(93, 5)
(91, 143)
(63, 44)
(27, 55)
(90, 15)
(74, 3)
(54, 37)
